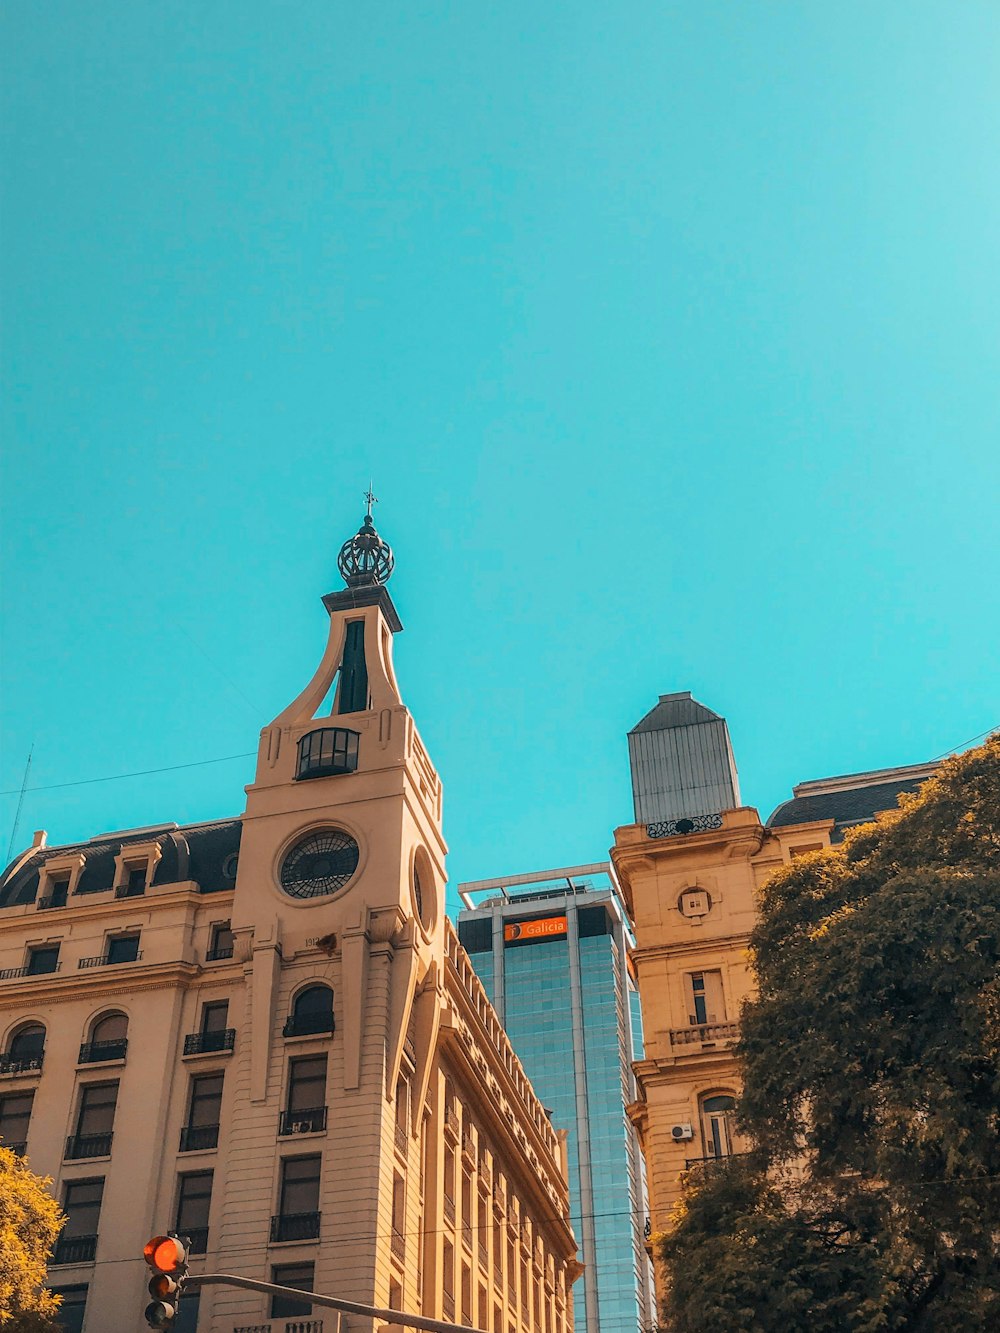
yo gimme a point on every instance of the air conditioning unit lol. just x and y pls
(681, 1132)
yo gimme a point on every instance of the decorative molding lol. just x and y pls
(672, 828)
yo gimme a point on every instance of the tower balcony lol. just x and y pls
(708, 1036)
(326, 752)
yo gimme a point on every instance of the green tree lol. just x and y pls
(871, 1088)
(30, 1220)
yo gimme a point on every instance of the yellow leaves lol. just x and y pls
(30, 1221)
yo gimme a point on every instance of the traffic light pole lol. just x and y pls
(192, 1281)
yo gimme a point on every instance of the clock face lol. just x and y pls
(321, 864)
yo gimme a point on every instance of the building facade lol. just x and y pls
(691, 867)
(264, 1033)
(552, 952)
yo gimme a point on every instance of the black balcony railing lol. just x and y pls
(216, 955)
(307, 1025)
(130, 890)
(399, 1135)
(198, 1236)
(92, 1052)
(19, 1148)
(88, 1145)
(53, 900)
(201, 1043)
(105, 960)
(291, 1326)
(75, 1250)
(196, 1137)
(21, 1064)
(707, 1033)
(302, 1122)
(397, 1244)
(449, 1208)
(295, 1226)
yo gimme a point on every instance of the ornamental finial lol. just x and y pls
(365, 560)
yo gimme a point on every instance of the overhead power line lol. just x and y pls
(139, 773)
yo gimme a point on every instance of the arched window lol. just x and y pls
(717, 1117)
(312, 1013)
(108, 1039)
(27, 1046)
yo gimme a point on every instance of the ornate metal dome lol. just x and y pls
(365, 560)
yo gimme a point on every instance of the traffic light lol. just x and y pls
(167, 1256)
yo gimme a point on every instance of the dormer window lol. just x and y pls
(134, 882)
(327, 751)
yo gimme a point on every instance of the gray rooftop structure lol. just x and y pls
(682, 762)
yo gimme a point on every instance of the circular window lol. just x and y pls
(320, 864)
(229, 865)
(418, 894)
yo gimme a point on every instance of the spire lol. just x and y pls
(365, 560)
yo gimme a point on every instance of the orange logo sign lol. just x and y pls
(529, 930)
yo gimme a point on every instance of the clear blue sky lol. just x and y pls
(670, 334)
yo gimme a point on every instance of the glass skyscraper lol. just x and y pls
(551, 951)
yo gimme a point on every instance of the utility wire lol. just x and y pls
(140, 773)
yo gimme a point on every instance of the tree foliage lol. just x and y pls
(871, 1072)
(30, 1220)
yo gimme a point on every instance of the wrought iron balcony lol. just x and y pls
(291, 1326)
(87, 1145)
(399, 1137)
(202, 1043)
(21, 1064)
(308, 1025)
(52, 900)
(217, 955)
(104, 960)
(197, 1137)
(717, 1034)
(10, 973)
(130, 890)
(75, 1250)
(709, 1163)
(397, 1244)
(295, 1226)
(93, 1052)
(449, 1208)
(302, 1122)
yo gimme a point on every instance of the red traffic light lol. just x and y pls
(166, 1254)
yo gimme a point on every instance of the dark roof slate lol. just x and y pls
(846, 807)
(202, 852)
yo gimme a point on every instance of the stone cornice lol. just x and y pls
(641, 954)
(113, 979)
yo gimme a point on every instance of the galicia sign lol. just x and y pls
(533, 930)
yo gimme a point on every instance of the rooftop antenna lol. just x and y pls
(20, 802)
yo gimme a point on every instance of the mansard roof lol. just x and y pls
(200, 852)
(854, 798)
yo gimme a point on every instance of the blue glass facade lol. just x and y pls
(566, 1005)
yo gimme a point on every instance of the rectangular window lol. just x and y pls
(43, 959)
(306, 1083)
(205, 1106)
(135, 880)
(58, 893)
(96, 1116)
(82, 1205)
(705, 997)
(123, 949)
(15, 1115)
(187, 1314)
(72, 1307)
(300, 1276)
(299, 1185)
(222, 941)
(466, 1294)
(194, 1198)
(215, 1016)
(395, 1295)
(448, 1278)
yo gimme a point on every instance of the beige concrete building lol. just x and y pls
(690, 869)
(264, 1033)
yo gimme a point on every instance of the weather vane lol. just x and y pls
(372, 499)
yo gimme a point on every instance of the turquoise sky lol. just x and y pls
(670, 334)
